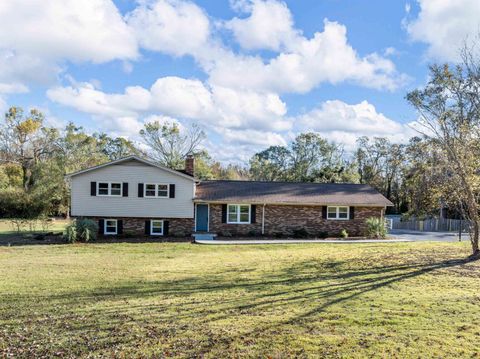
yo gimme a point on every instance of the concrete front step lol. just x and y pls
(204, 236)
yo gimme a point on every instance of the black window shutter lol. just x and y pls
(125, 189)
(352, 212)
(147, 228)
(253, 213)
(224, 213)
(324, 212)
(93, 188)
(165, 228)
(101, 226)
(140, 190)
(172, 191)
(120, 226)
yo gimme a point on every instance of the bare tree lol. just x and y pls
(24, 141)
(169, 144)
(449, 107)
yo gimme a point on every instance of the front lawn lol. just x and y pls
(298, 300)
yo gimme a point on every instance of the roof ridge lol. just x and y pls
(293, 182)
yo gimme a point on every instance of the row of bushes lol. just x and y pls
(375, 228)
(85, 230)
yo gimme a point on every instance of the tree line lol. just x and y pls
(438, 169)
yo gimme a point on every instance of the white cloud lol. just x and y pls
(344, 123)
(86, 98)
(306, 63)
(7, 88)
(179, 98)
(38, 36)
(170, 26)
(252, 137)
(182, 28)
(269, 26)
(75, 30)
(444, 25)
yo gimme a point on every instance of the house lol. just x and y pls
(139, 197)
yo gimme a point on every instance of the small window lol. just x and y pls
(340, 212)
(116, 189)
(150, 190)
(238, 213)
(110, 226)
(156, 227)
(109, 189)
(232, 213)
(157, 190)
(162, 190)
(103, 188)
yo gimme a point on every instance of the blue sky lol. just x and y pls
(252, 73)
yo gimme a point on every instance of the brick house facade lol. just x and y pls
(285, 219)
(137, 197)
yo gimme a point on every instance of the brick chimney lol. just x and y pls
(190, 165)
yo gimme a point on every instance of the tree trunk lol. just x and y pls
(25, 179)
(474, 239)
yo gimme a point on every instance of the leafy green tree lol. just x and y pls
(272, 164)
(309, 158)
(449, 109)
(24, 141)
(116, 148)
(381, 164)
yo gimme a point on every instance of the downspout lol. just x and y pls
(263, 219)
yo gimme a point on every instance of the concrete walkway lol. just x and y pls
(418, 236)
(289, 241)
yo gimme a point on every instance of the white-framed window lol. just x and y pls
(156, 227)
(156, 190)
(338, 212)
(110, 226)
(109, 188)
(238, 213)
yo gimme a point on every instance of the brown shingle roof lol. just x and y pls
(289, 193)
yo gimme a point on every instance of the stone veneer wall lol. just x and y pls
(136, 226)
(284, 219)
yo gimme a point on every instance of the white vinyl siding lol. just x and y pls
(133, 173)
(156, 227)
(238, 213)
(338, 212)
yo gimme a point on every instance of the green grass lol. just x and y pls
(142, 300)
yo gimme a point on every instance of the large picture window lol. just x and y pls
(109, 189)
(156, 227)
(338, 212)
(156, 190)
(238, 213)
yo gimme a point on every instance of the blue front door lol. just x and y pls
(202, 218)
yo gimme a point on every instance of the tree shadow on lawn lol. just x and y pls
(295, 286)
(307, 286)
